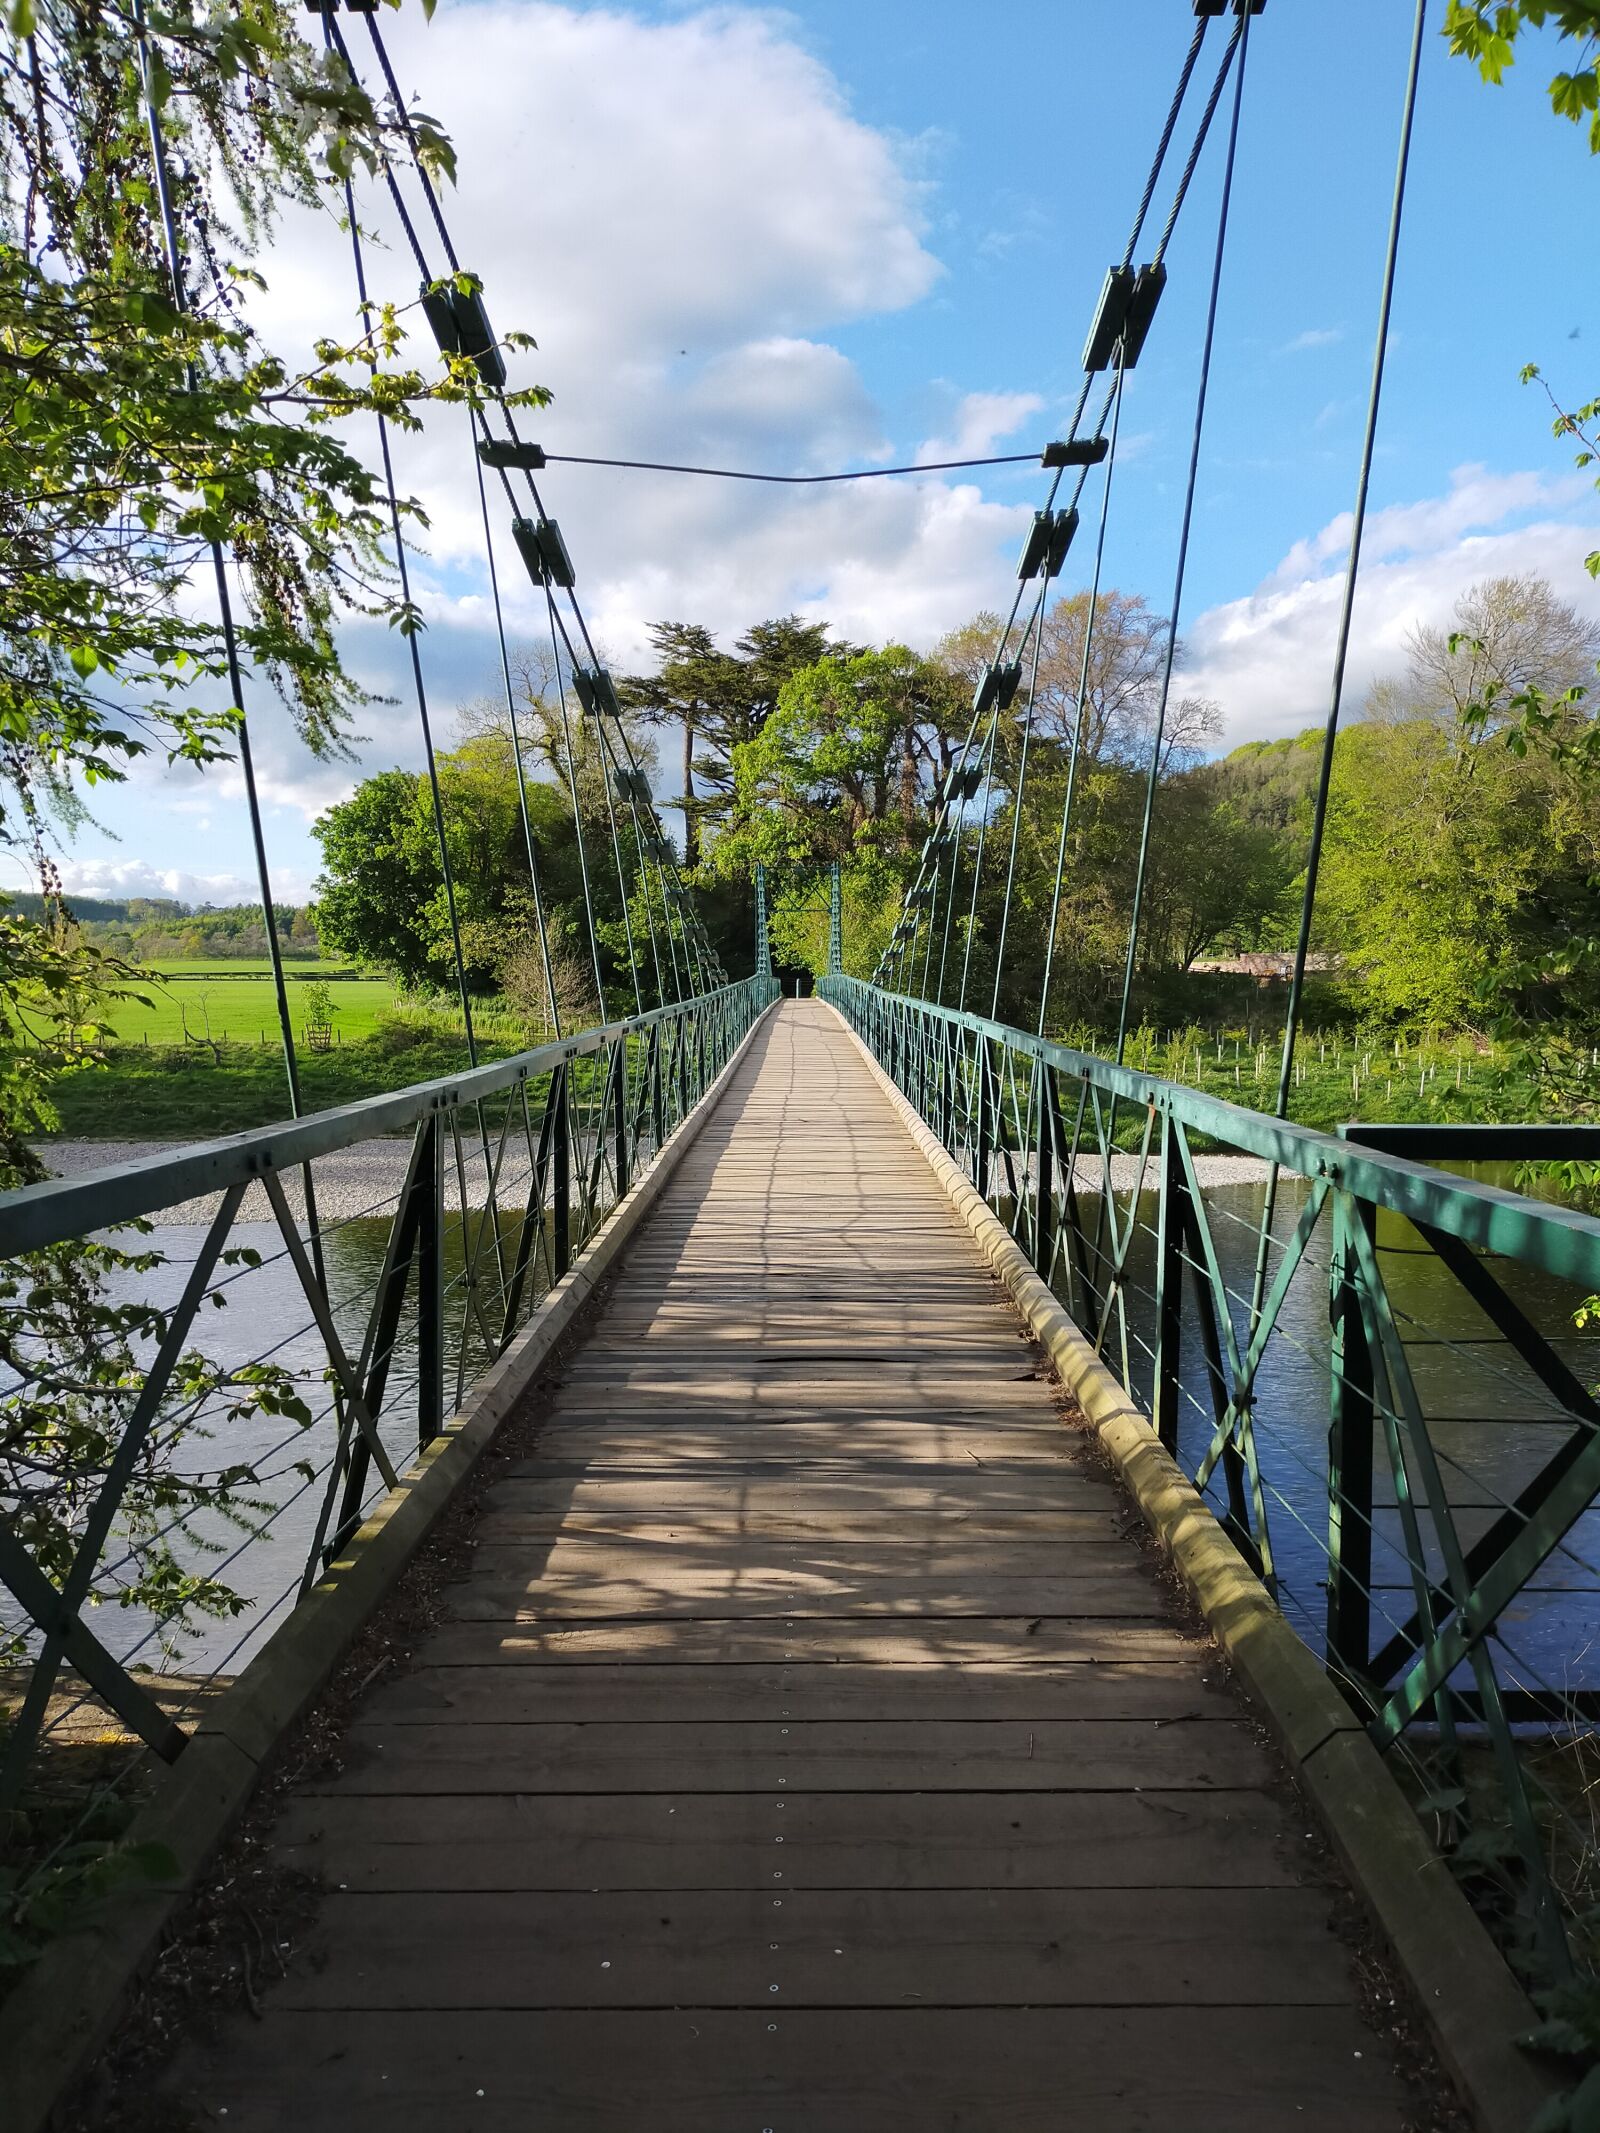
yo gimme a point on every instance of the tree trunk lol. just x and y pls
(691, 828)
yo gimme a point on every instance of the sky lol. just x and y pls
(844, 235)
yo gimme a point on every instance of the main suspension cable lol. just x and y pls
(1241, 40)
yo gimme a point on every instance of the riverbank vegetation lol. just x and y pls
(1456, 954)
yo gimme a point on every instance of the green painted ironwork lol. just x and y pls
(763, 926)
(835, 919)
(1034, 1124)
(513, 1167)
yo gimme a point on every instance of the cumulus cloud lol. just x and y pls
(683, 303)
(1267, 659)
(117, 878)
(981, 421)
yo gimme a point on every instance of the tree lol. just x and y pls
(840, 769)
(380, 876)
(1461, 874)
(1127, 660)
(721, 701)
(1511, 635)
(140, 424)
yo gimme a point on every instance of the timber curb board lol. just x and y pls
(1472, 2003)
(67, 2006)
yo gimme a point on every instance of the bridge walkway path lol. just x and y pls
(811, 1748)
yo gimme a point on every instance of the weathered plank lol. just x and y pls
(1022, 1691)
(687, 1840)
(915, 1755)
(881, 2070)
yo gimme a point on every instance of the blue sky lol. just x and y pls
(843, 234)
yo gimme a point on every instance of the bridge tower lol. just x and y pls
(835, 923)
(763, 933)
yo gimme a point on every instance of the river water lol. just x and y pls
(1491, 1424)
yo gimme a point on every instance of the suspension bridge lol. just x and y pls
(836, 1573)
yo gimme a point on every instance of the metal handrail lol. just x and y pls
(1420, 1629)
(32, 1217)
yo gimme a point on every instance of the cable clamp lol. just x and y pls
(597, 692)
(501, 452)
(461, 327)
(1075, 452)
(1212, 8)
(1127, 305)
(1045, 549)
(543, 551)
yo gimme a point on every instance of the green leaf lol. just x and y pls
(151, 1861)
(23, 20)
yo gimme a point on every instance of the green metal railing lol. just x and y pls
(1375, 1379)
(511, 1169)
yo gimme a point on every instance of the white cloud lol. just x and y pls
(116, 878)
(1313, 337)
(1267, 659)
(981, 421)
(682, 302)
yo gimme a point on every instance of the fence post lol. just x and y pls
(430, 1284)
(1350, 1447)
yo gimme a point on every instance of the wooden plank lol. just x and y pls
(936, 1840)
(917, 1755)
(820, 1948)
(974, 1642)
(811, 1492)
(883, 2070)
(679, 1559)
(1023, 1690)
(526, 1598)
(844, 1445)
(697, 1526)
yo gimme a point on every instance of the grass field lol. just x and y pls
(1339, 1079)
(139, 1095)
(237, 1002)
(296, 968)
(161, 1079)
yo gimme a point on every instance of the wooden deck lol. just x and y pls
(811, 1750)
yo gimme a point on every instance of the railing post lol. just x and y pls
(1350, 1449)
(981, 1122)
(1044, 1191)
(619, 1114)
(430, 1283)
(561, 1175)
(657, 1123)
(1172, 1230)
